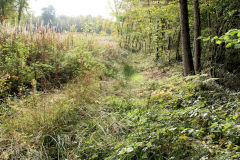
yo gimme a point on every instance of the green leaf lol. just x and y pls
(160, 100)
(207, 39)
(226, 37)
(237, 46)
(214, 38)
(234, 32)
(229, 45)
(218, 42)
(238, 33)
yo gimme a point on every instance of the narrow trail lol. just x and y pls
(132, 81)
(88, 116)
(104, 122)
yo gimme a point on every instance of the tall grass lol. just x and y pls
(35, 52)
(42, 124)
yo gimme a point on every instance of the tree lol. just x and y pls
(186, 49)
(21, 5)
(49, 15)
(197, 34)
(6, 7)
(2, 7)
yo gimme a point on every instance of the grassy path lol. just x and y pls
(82, 119)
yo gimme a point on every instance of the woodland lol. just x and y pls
(159, 81)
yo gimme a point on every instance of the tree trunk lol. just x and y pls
(197, 33)
(178, 45)
(20, 9)
(2, 8)
(2, 15)
(186, 49)
(158, 40)
(209, 17)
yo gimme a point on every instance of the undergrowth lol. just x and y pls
(124, 107)
(188, 118)
(40, 53)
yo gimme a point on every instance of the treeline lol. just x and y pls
(17, 11)
(154, 26)
(87, 24)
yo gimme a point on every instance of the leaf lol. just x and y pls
(125, 150)
(204, 114)
(234, 32)
(226, 37)
(238, 33)
(130, 149)
(172, 129)
(207, 39)
(237, 46)
(214, 38)
(218, 42)
(229, 45)
(69, 151)
(160, 100)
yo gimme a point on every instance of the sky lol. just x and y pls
(73, 7)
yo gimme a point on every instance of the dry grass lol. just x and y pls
(42, 115)
(35, 126)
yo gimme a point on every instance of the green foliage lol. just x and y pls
(119, 105)
(128, 71)
(231, 39)
(10, 9)
(190, 118)
(48, 57)
(38, 122)
(149, 27)
(152, 27)
(107, 115)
